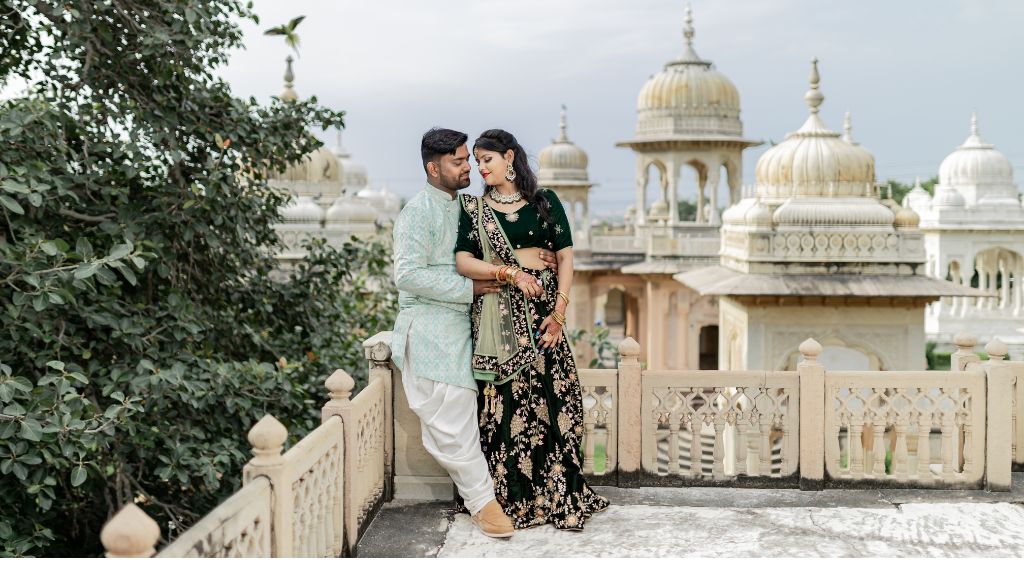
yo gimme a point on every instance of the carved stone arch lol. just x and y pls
(841, 339)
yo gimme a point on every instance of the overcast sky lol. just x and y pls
(910, 72)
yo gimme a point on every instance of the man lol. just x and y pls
(432, 344)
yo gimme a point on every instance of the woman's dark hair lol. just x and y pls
(500, 141)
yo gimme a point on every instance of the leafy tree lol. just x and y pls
(145, 323)
(901, 189)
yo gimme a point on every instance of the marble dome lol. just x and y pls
(689, 97)
(562, 160)
(814, 161)
(980, 172)
(302, 210)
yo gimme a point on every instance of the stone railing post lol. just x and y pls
(630, 391)
(340, 386)
(999, 421)
(377, 351)
(131, 533)
(964, 354)
(811, 376)
(267, 439)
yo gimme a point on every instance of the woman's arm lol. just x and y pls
(472, 267)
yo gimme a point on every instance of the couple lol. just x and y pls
(483, 290)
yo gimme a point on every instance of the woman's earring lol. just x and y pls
(510, 173)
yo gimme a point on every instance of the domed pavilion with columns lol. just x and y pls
(817, 253)
(321, 205)
(974, 236)
(688, 121)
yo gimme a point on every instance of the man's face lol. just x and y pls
(454, 169)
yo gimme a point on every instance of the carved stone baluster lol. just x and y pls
(878, 431)
(766, 444)
(948, 470)
(718, 468)
(753, 445)
(857, 445)
(696, 468)
(741, 444)
(787, 455)
(968, 445)
(899, 459)
(924, 447)
(673, 445)
(588, 447)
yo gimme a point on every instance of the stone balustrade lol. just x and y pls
(808, 428)
(315, 500)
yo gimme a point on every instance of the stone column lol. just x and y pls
(654, 336)
(713, 178)
(641, 192)
(673, 193)
(999, 433)
(700, 199)
(571, 209)
(586, 219)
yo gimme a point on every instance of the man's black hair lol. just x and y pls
(440, 141)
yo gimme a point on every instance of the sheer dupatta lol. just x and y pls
(503, 343)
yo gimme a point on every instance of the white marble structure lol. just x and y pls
(563, 168)
(817, 253)
(974, 236)
(321, 206)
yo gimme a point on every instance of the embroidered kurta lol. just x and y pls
(433, 299)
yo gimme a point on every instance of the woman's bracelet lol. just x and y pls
(558, 317)
(498, 273)
(563, 296)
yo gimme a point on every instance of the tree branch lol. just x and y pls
(86, 217)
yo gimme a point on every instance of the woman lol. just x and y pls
(531, 408)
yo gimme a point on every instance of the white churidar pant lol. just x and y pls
(451, 435)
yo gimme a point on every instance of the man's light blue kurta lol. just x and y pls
(433, 299)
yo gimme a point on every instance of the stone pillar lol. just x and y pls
(630, 392)
(713, 177)
(571, 209)
(735, 176)
(811, 376)
(700, 199)
(641, 192)
(673, 193)
(377, 351)
(654, 336)
(999, 433)
(267, 439)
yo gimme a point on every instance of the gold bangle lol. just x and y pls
(559, 318)
(497, 273)
(563, 296)
(511, 274)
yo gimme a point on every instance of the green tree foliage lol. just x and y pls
(901, 189)
(144, 324)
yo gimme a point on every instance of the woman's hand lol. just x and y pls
(550, 333)
(529, 284)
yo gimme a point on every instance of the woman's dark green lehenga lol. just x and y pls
(531, 427)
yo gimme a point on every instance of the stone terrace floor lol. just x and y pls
(731, 522)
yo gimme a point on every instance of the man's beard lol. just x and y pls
(454, 183)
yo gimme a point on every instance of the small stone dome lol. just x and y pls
(906, 218)
(758, 215)
(659, 210)
(319, 165)
(918, 198)
(350, 211)
(689, 97)
(353, 174)
(302, 210)
(814, 161)
(975, 162)
(562, 160)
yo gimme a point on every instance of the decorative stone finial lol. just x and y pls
(965, 342)
(996, 350)
(563, 136)
(811, 350)
(888, 191)
(814, 97)
(688, 30)
(974, 124)
(917, 182)
(131, 533)
(629, 347)
(848, 128)
(289, 94)
(267, 439)
(340, 385)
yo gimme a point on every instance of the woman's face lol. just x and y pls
(492, 165)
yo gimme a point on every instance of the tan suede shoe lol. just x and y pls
(493, 522)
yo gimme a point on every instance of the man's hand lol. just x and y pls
(485, 287)
(548, 257)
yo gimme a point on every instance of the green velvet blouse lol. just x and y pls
(524, 227)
